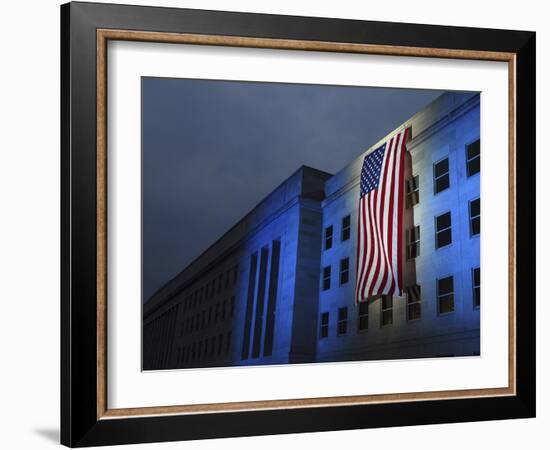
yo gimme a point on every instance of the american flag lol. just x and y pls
(380, 224)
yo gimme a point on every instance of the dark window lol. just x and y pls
(475, 217)
(443, 235)
(227, 276)
(224, 308)
(363, 318)
(220, 282)
(326, 278)
(472, 158)
(346, 228)
(386, 310)
(445, 295)
(342, 321)
(220, 340)
(414, 298)
(476, 287)
(344, 270)
(212, 345)
(232, 307)
(328, 237)
(413, 191)
(249, 306)
(323, 332)
(235, 274)
(213, 288)
(216, 312)
(227, 341)
(413, 242)
(441, 175)
(209, 316)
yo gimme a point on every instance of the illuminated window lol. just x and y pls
(441, 175)
(326, 278)
(328, 237)
(386, 310)
(443, 235)
(475, 217)
(344, 270)
(472, 158)
(323, 332)
(346, 228)
(363, 318)
(413, 191)
(476, 287)
(445, 295)
(413, 242)
(414, 298)
(342, 321)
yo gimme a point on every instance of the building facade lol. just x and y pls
(278, 287)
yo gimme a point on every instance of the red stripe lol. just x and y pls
(360, 241)
(370, 238)
(380, 220)
(390, 220)
(364, 222)
(377, 243)
(400, 214)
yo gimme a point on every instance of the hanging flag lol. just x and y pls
(380, 224)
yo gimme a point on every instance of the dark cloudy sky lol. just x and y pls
(213, 149)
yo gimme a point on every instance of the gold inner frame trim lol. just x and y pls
(103, 36)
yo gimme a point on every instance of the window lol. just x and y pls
(414, 308)
(344, 270)
(472, 158)
(413, 192)
(212, 345)
(227, 341)
(445, 295)
(363, 319)
(328, 237)
(227, 276)
(475, 287)
(323, 332)
(220, 282)
(346, 228)
(342, 321)
(475, 217)
(413, 242)
(443, 235)
(235, 274)
(224, 308)
(220, 341)
(232, 307)
(216, 312)
(441, 175)
(386, 314)
(326, 278)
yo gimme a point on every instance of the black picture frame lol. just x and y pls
(80, 425)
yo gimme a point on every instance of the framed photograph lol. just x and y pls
(272, 224)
